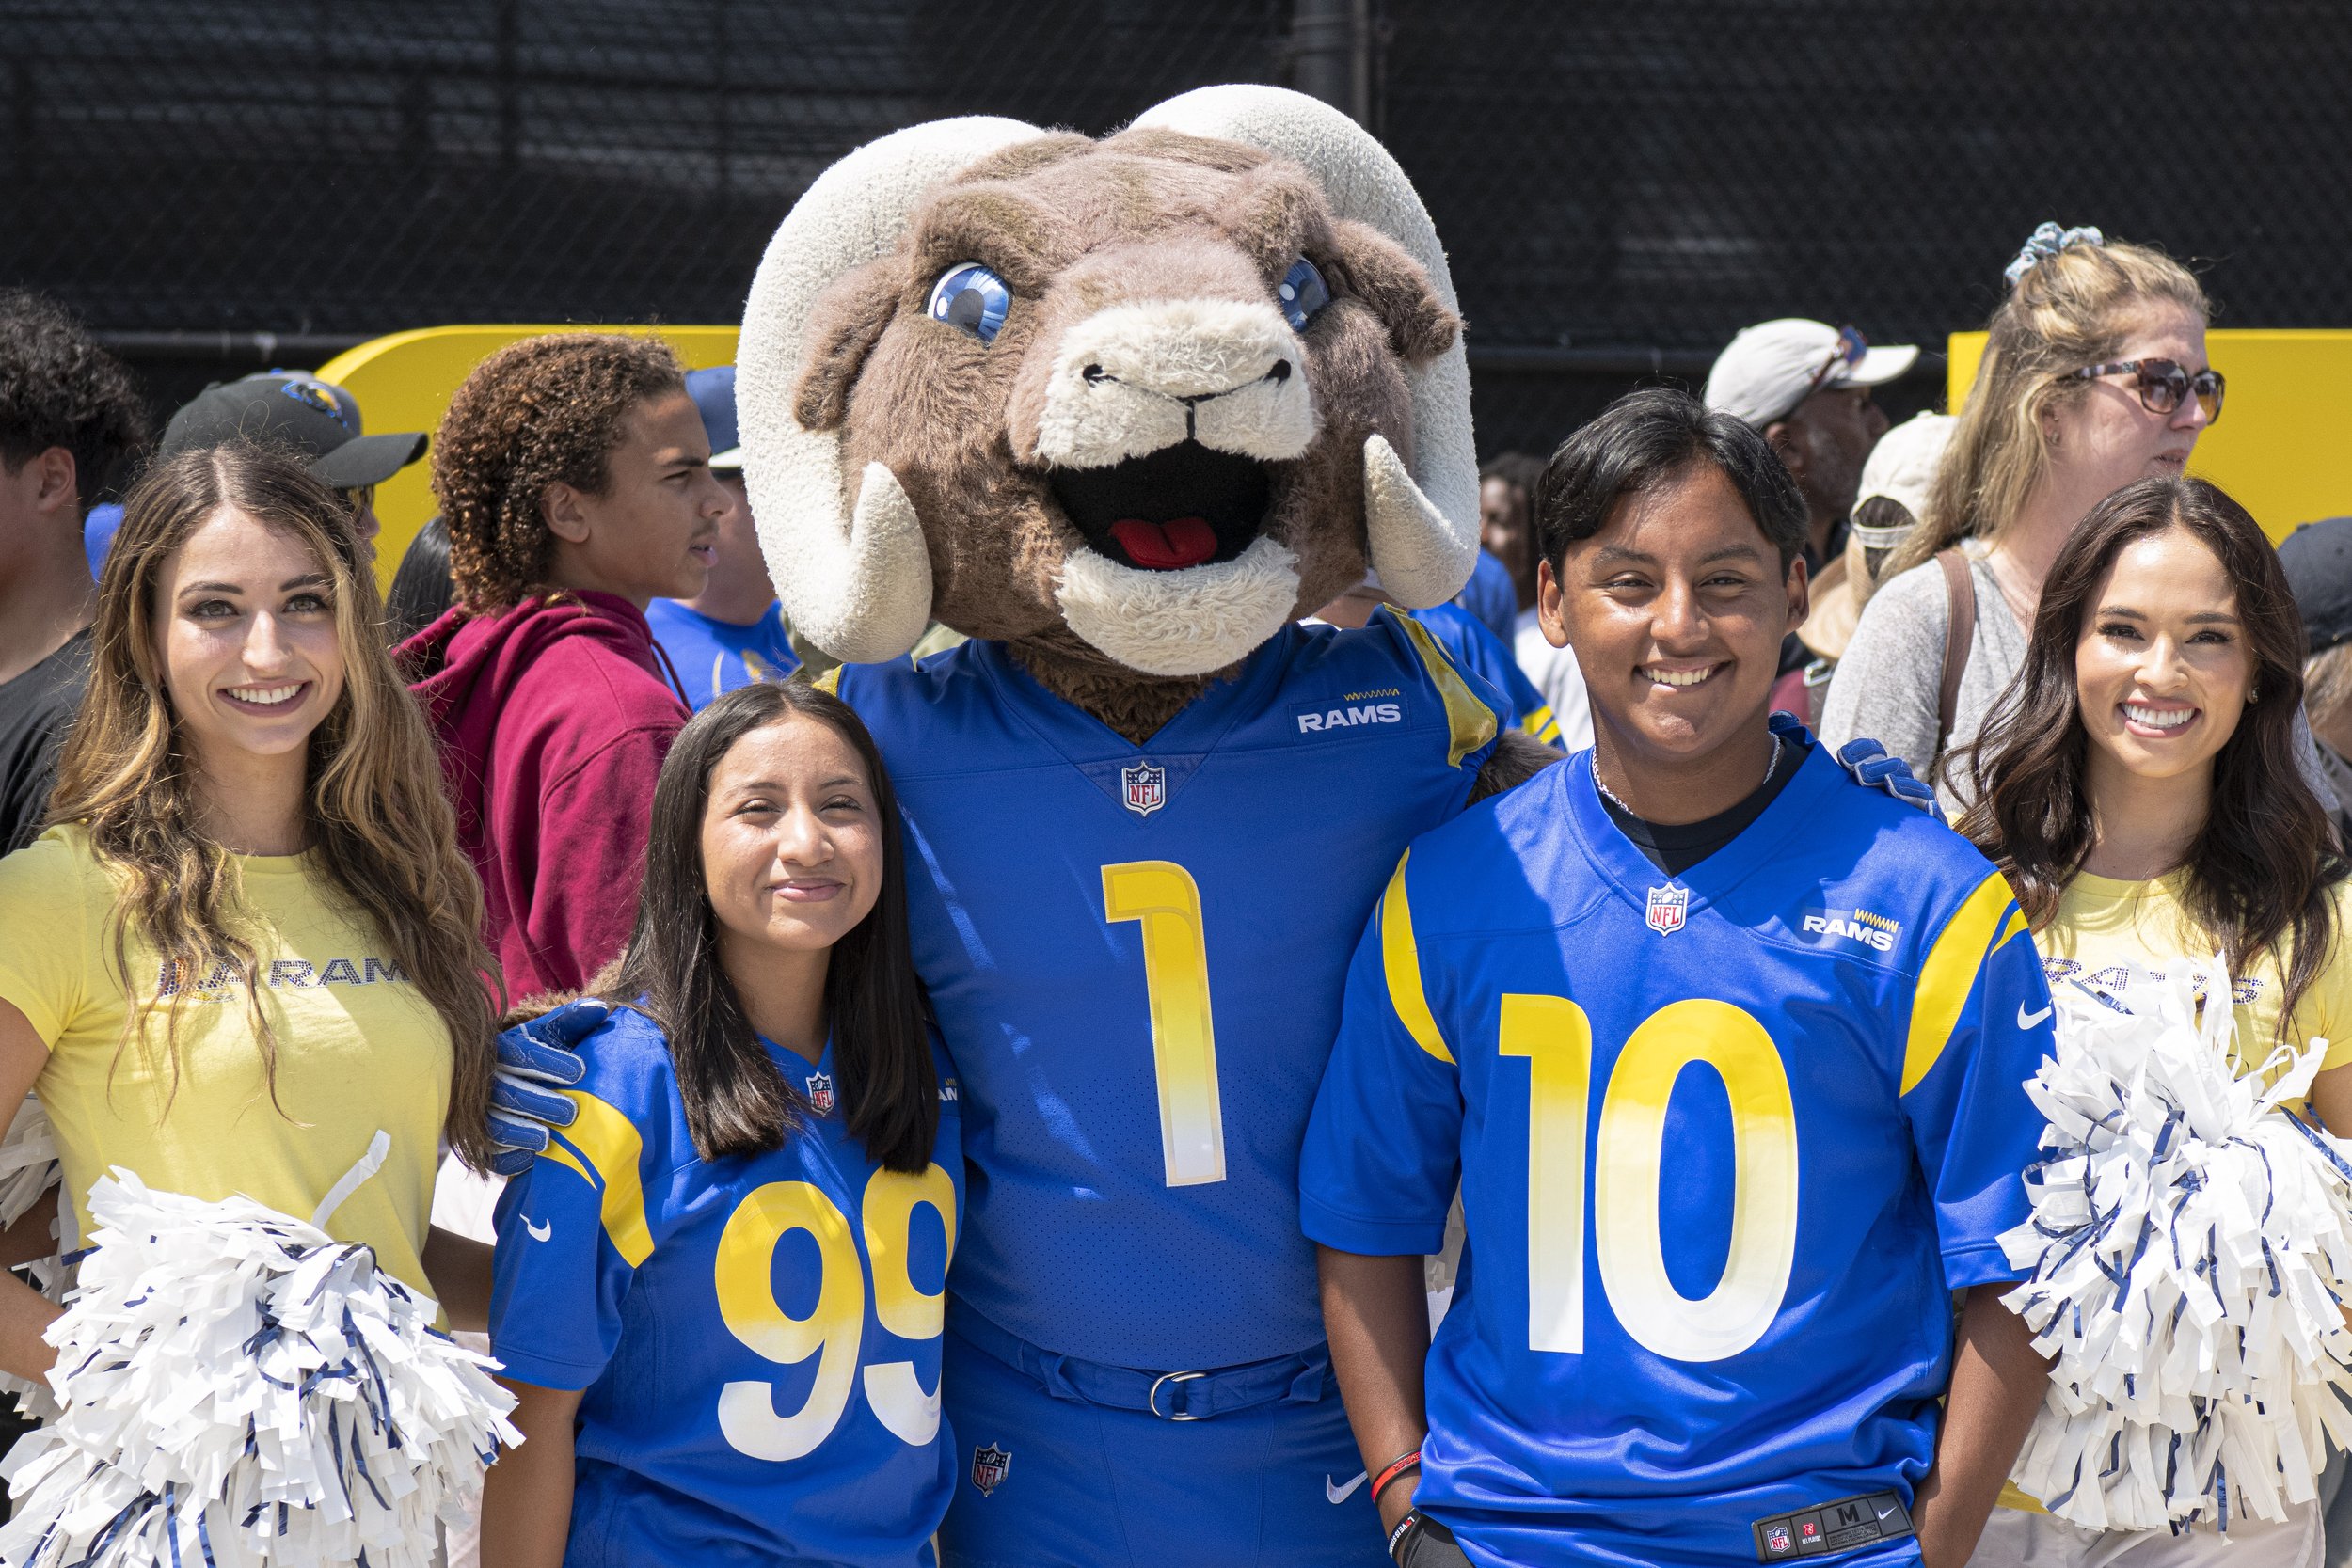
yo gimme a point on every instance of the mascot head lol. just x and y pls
(1127, 404)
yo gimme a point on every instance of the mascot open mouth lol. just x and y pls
(1185, 505)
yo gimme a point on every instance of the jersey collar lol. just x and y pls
(1084, 739)
(1629, 872)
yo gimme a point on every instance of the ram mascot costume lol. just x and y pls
(1124, 411)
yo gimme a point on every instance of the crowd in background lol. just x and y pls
(460, 781)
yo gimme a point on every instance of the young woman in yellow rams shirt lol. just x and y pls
(2139, 785)
(247, 941)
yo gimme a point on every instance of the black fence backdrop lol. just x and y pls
(1621, 185)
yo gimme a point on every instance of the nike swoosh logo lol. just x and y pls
(540, 1232)
(1884, 1511)
(2026, 1020)
(1341, 1494)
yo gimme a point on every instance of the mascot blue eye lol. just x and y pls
(973, 298)
(1303, 292)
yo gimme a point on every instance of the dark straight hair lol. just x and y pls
(737, 1100)
(1644, 439)
(2261, 868)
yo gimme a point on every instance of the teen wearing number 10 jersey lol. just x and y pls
(1726, 1142)
(1135, 956)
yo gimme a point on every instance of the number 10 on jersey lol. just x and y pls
(1162, 898)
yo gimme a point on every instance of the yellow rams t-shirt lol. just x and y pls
(2105, 930)
(2108, 934)
(358, 1049)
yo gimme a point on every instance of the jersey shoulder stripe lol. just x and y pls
(1400, 961)
(1472, 723)
(1986, 920)
(609, 1142)
(1543, 724)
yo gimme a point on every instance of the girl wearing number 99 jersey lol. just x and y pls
(720, 1290)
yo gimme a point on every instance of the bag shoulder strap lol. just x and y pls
(1959, 634)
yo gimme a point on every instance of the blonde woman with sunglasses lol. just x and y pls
(2094, 376)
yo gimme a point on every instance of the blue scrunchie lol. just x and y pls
(2044, 243)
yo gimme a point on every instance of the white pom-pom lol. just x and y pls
(239, 1389)
(2191, 1243)
(29, 1161)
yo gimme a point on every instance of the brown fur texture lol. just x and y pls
(1074, 227)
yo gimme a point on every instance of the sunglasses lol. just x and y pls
(1852, 346)
(2163, 383)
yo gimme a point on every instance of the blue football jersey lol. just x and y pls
(1472, 647)
(758, 1337)
(1725, 1141)
(715, 657)
(1137, 955)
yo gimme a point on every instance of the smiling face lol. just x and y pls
(652, 533)
(2162, 665)
(2104, 438)
(244, 621)
(1676, 609)
(792, 841)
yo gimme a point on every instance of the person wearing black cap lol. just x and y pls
(317, 420)
(2318, 561)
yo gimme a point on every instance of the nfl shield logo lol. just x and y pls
(1147, 788)
(1776, 1539)
(820, 1092)
(1667, 906)
(989, 1465)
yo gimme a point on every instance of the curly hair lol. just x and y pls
(59, 388)
(540, 412)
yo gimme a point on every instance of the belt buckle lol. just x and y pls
(1152, 1399)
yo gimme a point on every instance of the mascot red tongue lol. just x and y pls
(1123, 412)
(1166, 546)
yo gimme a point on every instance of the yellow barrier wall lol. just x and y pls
(2284, 446)
(405, 382)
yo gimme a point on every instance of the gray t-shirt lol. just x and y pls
(1887, 685)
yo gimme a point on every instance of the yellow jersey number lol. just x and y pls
(1162, 898)
(834, 1330)
(1556, 1037)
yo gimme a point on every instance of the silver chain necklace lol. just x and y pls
(1770, 768)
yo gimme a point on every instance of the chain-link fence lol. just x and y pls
(1621, 185)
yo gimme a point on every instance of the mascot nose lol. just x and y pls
(1278, 373)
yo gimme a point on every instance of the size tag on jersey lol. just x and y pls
(1835, 1527)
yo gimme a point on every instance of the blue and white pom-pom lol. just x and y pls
(28, 1169)
(2191, 1245)
(237, 1388)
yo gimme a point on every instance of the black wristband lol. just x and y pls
(1421, 1542)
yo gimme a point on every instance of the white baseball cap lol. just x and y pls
(1775, 365)
(1902, 466)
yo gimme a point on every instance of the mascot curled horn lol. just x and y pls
(1122, 411)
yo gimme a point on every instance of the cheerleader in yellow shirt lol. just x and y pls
(248, 940)
(2138, 785)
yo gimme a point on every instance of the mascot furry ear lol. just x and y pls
(1128, 405)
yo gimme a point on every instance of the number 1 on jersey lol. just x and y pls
(1162, 896)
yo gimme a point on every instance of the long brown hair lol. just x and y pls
(734, 1099)
(2261, 869)
(2068, 310)
(381, 832)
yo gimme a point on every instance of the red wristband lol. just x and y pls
(1396, 1467)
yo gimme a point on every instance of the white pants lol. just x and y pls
(465, 1202)
(2015, 1538)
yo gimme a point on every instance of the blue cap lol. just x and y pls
(713, 391)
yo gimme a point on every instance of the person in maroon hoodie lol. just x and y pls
(575, 478)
